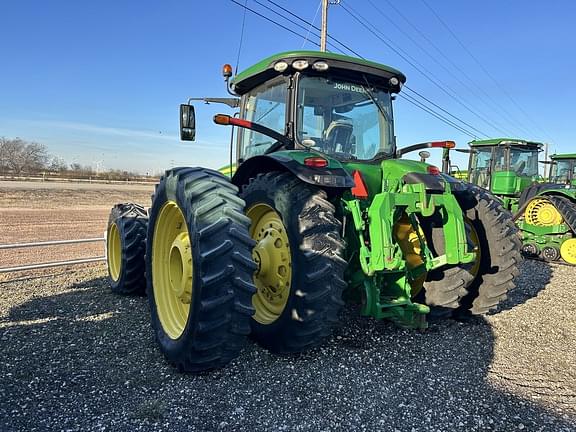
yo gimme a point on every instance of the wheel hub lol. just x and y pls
(272, 255)
(180, 268)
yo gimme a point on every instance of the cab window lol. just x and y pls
(265, 105)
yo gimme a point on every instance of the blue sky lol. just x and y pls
(101, 81)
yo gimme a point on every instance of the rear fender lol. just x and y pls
(331, 176)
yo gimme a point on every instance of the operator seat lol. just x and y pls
(480, 178)
(339, 137)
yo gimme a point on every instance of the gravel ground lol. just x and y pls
(76, 357)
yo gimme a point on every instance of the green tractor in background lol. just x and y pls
(563, 169)
(544, 210)
(317, 208)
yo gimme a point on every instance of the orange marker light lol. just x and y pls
(222, 119)
(359, 190)
(227, 71)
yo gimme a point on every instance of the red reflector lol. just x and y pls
(443, 144)
(433, 170)
(359, 190)
(316, 162)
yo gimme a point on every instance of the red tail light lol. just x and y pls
(433, 170)
(316, 162)
(359, 190)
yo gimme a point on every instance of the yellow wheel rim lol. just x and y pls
(541, 212)
(272, 255)
(474, 243)
(409, 243)
(114, 251)
(172, 269)
(568, 251)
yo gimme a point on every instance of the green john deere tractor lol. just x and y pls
(316, 209)
(563, 169)
(544, 210)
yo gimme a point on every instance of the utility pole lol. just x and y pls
(546, 159)
(324, 31)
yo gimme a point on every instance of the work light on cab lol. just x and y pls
(281, 66)
(300, 64)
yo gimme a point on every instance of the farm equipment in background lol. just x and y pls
(544, 209)
(319, 208)
(563, 169)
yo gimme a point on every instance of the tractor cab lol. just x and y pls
(322, 102)
(504, 166)
(563, 169)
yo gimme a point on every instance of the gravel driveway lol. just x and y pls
(75, 357)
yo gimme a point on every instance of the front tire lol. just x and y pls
(300, 275)
(199, 267)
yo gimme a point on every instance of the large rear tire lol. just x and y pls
(199, 268)
(299, 280)
(125, 248)
(499, 248)
(445, 287)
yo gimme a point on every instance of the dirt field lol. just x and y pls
(58, 211)
(75, 357)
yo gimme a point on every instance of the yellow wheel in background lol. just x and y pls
(172, 269)
(541, 212)
(125, 247)
(114, 251)
(272, 255)
(568, 251)
(409, 243)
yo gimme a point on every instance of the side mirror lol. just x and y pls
(424, 155)
(187, 123)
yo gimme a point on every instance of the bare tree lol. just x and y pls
(57, 164)
(21, 156)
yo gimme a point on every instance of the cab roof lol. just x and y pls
(498, 141)
(264, 70)
(563, 156)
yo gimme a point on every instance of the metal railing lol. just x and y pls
(53, 263)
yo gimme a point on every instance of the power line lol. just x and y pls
(313, 21)
(414, 63)
(292, 21)
(268, 19)
(457, 67)
(442, 64)
(241, 37)
(481, 66)
(419, 104)
(343, 45)
(440, 117)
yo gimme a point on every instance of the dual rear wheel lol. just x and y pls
(221, 265)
